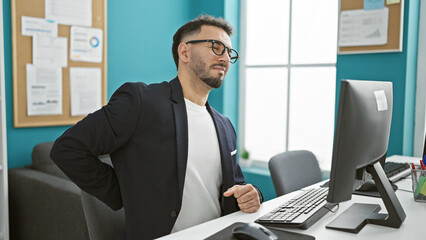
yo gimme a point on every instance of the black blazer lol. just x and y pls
(144, 128)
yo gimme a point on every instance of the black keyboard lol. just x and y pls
(308, 207)
(393, 168)
(301, 211)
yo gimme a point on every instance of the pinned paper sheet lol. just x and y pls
(44, 90)
(31, 26)
(70, 12)
(49, 51)
(382, 104)
(363, 28)
(86, 44)
(86, 85)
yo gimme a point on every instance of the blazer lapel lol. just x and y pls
(225, 152)
(181, 125)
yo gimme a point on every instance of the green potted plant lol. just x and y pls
(245, 160)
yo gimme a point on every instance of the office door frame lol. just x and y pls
(420, 118)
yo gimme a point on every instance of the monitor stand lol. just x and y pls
(358, 215)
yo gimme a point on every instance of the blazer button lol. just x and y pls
(173, 214)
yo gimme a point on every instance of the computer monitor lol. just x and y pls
(360, 144)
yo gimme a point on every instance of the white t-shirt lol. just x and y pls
(203, 176)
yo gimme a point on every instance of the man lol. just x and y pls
(174, 156)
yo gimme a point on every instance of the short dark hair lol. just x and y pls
(194, 26)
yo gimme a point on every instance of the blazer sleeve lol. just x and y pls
(102, 132)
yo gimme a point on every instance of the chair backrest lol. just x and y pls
(293, 170)
(103, 223)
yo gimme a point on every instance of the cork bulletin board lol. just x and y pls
(395, 28)
(22, 55)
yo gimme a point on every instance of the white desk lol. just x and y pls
(412, 228)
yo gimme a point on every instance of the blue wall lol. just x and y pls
(140, 40)
(139, 49)
(230, 87)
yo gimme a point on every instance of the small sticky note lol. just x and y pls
(374, 4)
(390, 2)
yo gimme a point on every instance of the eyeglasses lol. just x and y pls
(219, 48)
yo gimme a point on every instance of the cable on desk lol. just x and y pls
(405, 190)
(332, 206)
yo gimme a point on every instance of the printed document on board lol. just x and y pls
(44, 90)
(48, 51)
(31, 26)
(86, 94)
(363, 28)
(69, 12)
(86, 44)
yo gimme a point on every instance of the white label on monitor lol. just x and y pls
(382, 103)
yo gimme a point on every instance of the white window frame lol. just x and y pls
(420, 118)
(242, 77)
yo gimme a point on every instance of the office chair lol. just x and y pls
(103, 223)
(293, 170)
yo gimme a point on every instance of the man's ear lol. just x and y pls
(183, 52)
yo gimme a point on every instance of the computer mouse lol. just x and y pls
(253, 231)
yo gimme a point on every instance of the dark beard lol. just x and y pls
(198, 68)
(212, 82)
